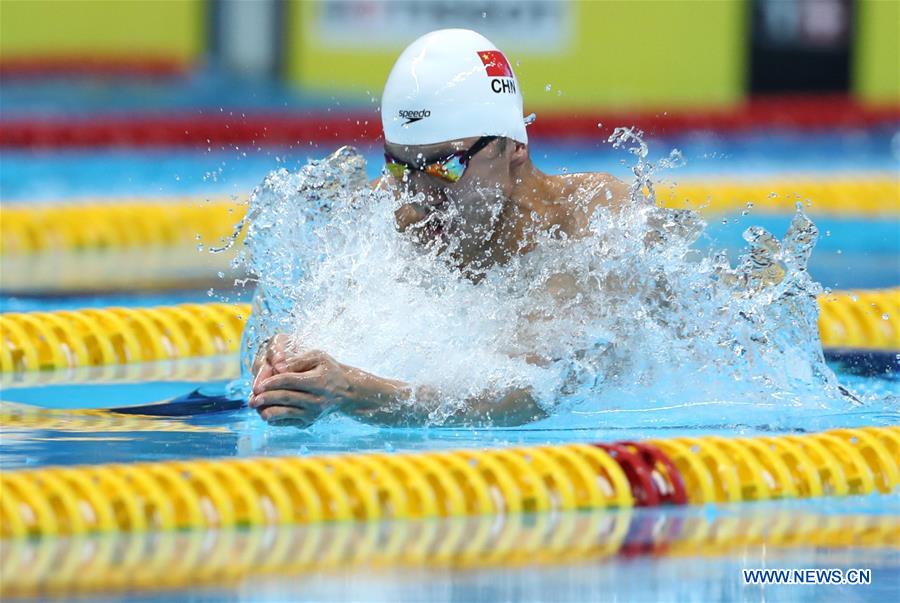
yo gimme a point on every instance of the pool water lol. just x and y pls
(45, 423)
(687, 554)
(41, 175)
(72, 438)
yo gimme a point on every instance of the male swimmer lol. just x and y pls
(455, 140)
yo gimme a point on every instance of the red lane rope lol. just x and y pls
(190, 130)
(638, 472)
(653, 477)
(74, 66)
(216, 129)
(655, 458)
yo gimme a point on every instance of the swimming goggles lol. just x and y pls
(451, 168)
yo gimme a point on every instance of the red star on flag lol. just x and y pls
(495, 63)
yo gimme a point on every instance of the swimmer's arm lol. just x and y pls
(590, 191)
(390, 403)
(300, 387)
(608, 191)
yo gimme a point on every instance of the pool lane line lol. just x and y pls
(109, 336)
(110, 224)
(129, 223)
(225, 493)
(864, 321)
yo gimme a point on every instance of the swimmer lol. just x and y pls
(457, 148)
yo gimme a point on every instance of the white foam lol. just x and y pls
(652, 314)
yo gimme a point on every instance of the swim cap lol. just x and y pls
(450, 84)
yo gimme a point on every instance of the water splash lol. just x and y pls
(628, 319)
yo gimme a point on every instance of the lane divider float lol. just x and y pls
(31, 341)
(225, 493)
(182, 222)
(863, 319)
(134, 223)
(78, 338)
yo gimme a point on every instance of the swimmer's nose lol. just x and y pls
(408, 214)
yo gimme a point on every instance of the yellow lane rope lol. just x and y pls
(182, 222)
(32, 341)
(124, 269)
(224, 493)
(78, 338)
(116, 224)
(172, 560)
(865, 196)
(861, 319)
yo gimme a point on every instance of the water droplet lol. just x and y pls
(548, 87)
(220, 274)
(885, 316)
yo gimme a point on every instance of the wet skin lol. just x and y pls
(491, 214)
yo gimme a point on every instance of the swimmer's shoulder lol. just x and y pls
(583, 193)
(598, 188)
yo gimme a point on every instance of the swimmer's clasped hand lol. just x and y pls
(298, 388)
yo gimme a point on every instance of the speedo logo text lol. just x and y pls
(414, 116)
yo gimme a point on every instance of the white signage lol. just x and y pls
(535, 26)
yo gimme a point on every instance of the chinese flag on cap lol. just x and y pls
(495, 63)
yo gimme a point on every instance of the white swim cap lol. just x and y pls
(450, 84)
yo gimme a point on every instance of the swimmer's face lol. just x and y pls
(458, 215)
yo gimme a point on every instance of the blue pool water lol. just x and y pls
(42, 424)
(658, 555)
(40, 175)
(851, 253)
